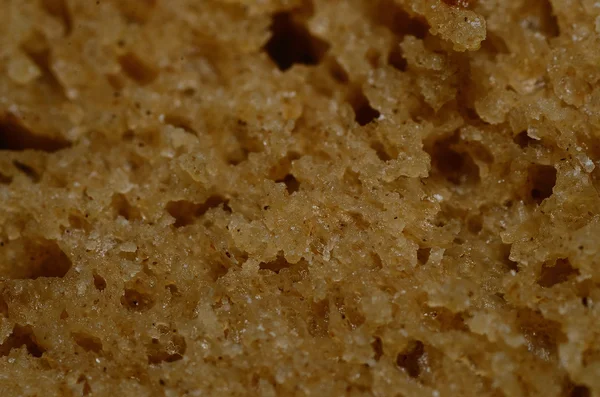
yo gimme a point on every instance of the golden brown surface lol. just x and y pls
(300, 198)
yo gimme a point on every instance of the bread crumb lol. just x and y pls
(288, 197)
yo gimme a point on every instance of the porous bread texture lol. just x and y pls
(299, 198)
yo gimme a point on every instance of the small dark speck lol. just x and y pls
(584, 301)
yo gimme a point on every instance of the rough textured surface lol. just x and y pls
(309, 198)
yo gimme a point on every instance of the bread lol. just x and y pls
(299, 198)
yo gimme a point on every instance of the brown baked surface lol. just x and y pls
(299, 198)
